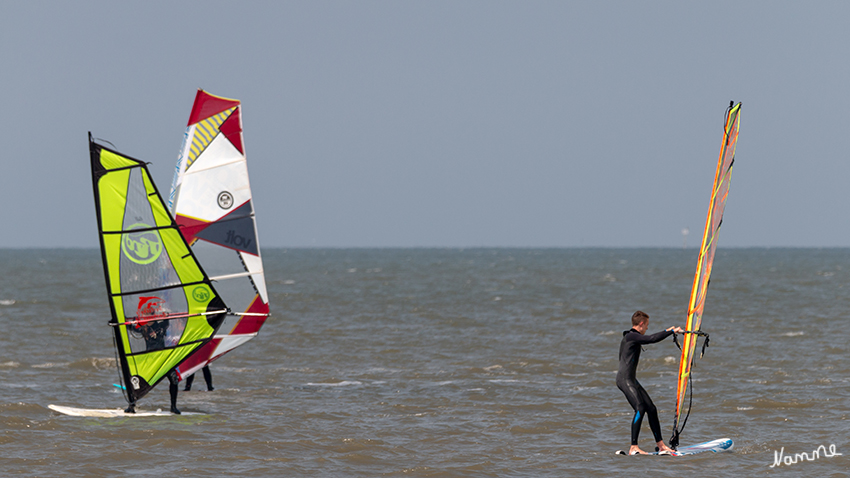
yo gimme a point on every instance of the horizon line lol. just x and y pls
(94, 248)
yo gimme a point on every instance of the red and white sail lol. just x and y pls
(211, 202)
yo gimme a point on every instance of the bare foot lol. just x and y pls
(634, 450)
(664, 448)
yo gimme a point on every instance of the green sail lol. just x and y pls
(163, 304)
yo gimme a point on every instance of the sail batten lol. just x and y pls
(199, 170)
(212, 204)
(233, 276)
(705, 261)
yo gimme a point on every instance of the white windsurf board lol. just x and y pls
(112, 412)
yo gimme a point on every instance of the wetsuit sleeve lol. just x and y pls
(651, 339)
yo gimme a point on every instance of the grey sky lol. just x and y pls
(463, 123)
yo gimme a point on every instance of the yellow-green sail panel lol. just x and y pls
(163, 304)
(719, 192)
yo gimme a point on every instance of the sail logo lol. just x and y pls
(225, 200)
(141, 247)
(201, 294)
(150, 307)
(236, 240)
(135, 382)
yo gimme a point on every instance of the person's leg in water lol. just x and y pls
(208, 378)
(189, 380)
(652, 413)
(642, 404)
(172, 389)
(131, 408)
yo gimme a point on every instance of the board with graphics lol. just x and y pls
(716, 446)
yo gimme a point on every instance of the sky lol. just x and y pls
(443, 123)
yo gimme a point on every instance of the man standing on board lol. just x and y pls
(627, 382)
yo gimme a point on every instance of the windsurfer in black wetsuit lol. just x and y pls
(627, 382)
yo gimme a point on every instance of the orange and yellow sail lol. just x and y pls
(706, 255)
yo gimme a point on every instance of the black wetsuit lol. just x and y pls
(207, 378)
(172, 390)
(627, 381)
(154, 334)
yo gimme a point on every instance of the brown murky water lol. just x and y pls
(442, 362)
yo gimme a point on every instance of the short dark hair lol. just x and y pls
(638, 318)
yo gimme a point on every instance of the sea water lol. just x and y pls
(442, 362)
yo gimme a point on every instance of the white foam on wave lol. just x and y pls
(492, 367)
(10, 364)
(101, 363)
(793, 334)
(745, 408)
(251, 370)
(344, 383)
(289, 282)
(51, 365)
(608, 332)
(7, 301)
(382, 369)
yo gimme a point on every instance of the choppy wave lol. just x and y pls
(344, 383)
(51, 365)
